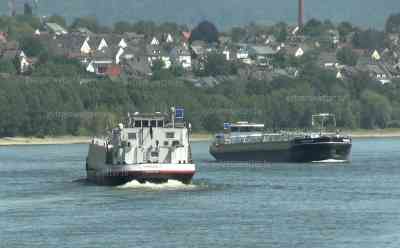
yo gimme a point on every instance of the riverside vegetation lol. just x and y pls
(60, 98)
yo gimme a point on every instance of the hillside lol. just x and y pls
(224, 13)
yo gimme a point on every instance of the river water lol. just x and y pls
(45, 202)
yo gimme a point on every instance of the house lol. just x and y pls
(199, 49)
(85, 48)
(56, 29)
(227, 53)
(262, 54)
(375, 55)
(328, 60)
(242, 53)
(9, 50)
(394, 39)
(186, 36)
(155, 42)
(113, 71)
(100, 62)
(181, 55)
(156, 52)
(25, 63)
(378, 73)
(169, 39)
(296, 50)
(3, 37)
(103, 45)
(122, 43)
(224, 40)
(270, 40)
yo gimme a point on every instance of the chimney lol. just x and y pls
(301, 14)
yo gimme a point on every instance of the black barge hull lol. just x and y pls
(299, 151)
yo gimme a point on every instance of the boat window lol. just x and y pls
(160, 124)
(138, 124)
(153, 123)
(166, 143)
(234, 129)
(145, 123)
(170, 135)
(175, 143)
(132, 136)
(154, 154)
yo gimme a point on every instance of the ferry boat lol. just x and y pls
(245, 141)
(146, 148)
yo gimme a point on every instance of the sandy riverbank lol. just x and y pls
(384, 133)
(12, 141)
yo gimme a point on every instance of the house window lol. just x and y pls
(160, 124)
(166, 143)
(101, 69)
(175, 143)
(138, 124)
(170, 135)
(153, 123)
(145, 123)
(132, 136)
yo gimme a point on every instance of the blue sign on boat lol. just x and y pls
(180, 113)
(227, 125)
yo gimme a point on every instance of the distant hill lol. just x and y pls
(225, 13)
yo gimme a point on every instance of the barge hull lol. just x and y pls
(299, 153)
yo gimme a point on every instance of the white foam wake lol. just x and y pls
(170, 185)
(331, 161)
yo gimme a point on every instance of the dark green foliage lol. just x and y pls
(238, 33)
(217, 65)
(7, 66)
(205, 31)
(28, 9)
(89, 22)
(122, 27)
(32, 46)
(369, 39)
(58, 19)
(346, 56)
(345, 28)
(314, 28)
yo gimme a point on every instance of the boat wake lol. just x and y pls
(331, 161)
(170, 185)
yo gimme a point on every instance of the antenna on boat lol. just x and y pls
(173, 116)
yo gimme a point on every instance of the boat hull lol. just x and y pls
(143, 173)
(301, 152)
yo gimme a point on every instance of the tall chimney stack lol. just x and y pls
(301, 14)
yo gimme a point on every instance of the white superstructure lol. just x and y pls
(148, 147)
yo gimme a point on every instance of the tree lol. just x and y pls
(122, 27)
(28, 9)
(7, 66)
(32, 46)
(393, 24)
(346, 56)
(237, 34)
(344, 28)
(205, 31)
(369, 39)
(216, 65)
(376, 110)
(212, 122)
(88, 22)
(313, 28)
(281, 32)
(58, 19)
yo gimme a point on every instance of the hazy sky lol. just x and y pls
(222, 12)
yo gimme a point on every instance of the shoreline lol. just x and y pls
(65, 140)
